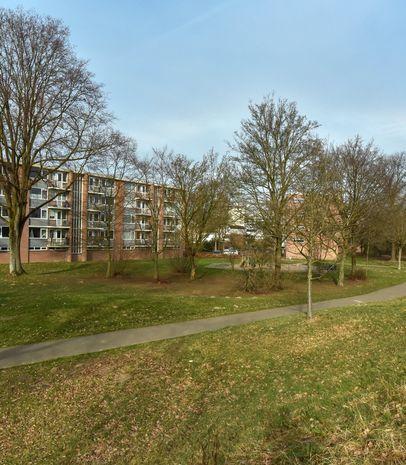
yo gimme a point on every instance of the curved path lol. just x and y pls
(32, 353)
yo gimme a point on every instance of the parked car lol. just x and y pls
(230, 251)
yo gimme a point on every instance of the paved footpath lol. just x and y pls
(32, 353)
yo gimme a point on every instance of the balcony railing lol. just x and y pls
(39, 222)
(96, 224)
(54, 184)
(142, 195)
(142, 242)
(169, 212)
(142, 211)
(143, 226)
(96, 206)
(55, 243)
(59, 222)
(59, 203)
(107, 190)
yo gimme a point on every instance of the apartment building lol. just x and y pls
(89, 214)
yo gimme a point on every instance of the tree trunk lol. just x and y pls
(400, 258)
(192, 268)
(232, 262)
(278, 264)
(15, 265)
(367, 259)
(341, 271)
(110, 264)
(15, 232)
(309, 288)
(353, 262)
(393, 254)
(156, 267)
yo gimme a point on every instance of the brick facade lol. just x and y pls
(73, 227)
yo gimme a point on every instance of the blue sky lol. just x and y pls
(181, 72)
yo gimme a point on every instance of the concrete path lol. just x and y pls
(294, 267)
(32, 353)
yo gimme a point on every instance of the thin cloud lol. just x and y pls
(198, 19)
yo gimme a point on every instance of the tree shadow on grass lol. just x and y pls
(76, 267)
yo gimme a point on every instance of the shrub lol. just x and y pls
(181, 264)
(359, 274)
(256, 280)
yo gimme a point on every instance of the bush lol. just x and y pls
(181, 264)
(256, 280)
(359, 274)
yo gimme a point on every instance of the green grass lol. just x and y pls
(58, 300)
(280, 392)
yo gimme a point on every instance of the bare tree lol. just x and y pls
(399, 227)
(356, 170)
(51, 112)
(152, 172)
(113, 167)
(312, 235)
(394, 189)
(272, 149)
(200, 192)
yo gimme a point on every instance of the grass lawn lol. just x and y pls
(280, 392)
(57, 300)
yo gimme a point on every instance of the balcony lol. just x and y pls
(55, 243)
(142, 242)
(59, 204)
(103, 190)
(41, 222)
(169, 212)
(95, 188)
(143, 226)
(96, 224)
(96, 206)
(60, 185)
(142, 211)
(142, 195)
(59, 222)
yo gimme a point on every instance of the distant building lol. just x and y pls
(73, 226)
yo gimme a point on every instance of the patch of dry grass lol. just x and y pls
(287, 391)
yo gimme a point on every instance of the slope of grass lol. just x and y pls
(56, 300)
(282, 392)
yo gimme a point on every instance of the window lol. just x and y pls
(4, 231)
(57, 234)
(142, 204)
(42, 213)
(38, 193)
(35, 233)
(59, 177)
(3, 211)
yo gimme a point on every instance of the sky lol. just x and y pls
(181, 73)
